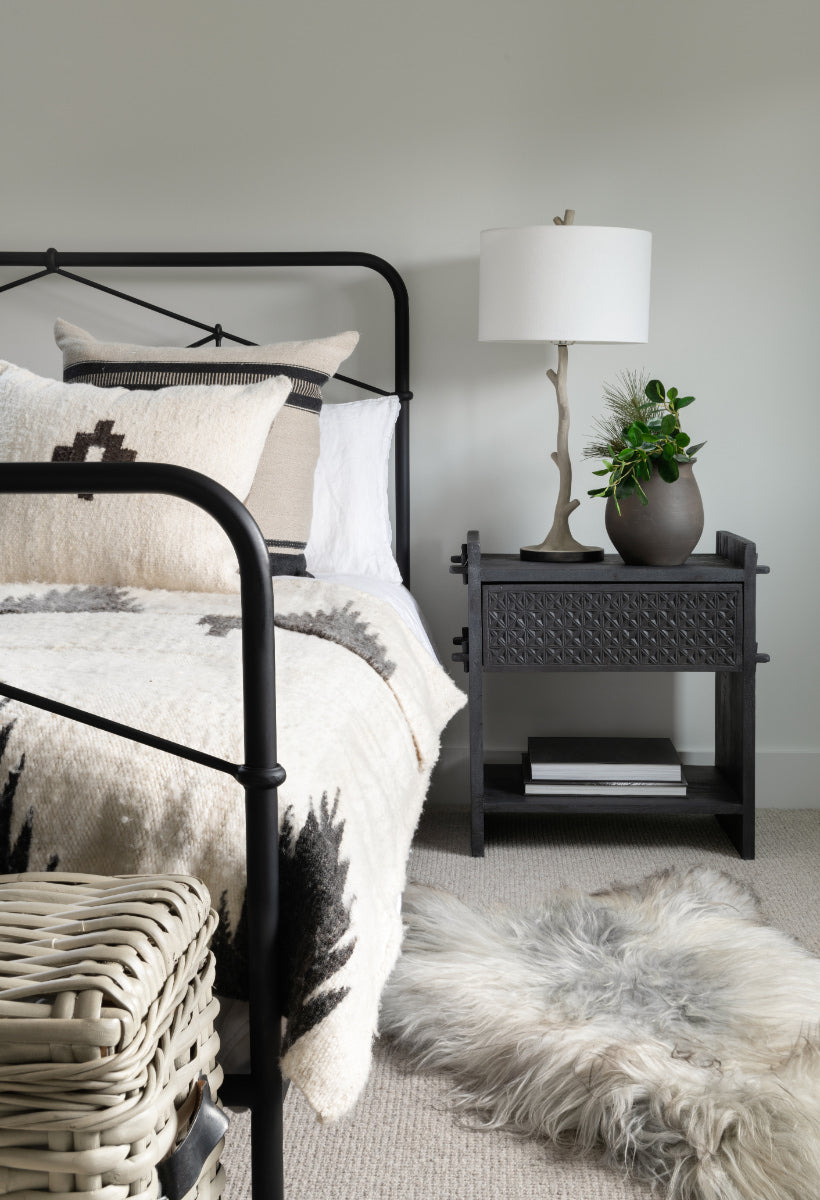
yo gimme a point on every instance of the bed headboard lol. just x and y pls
(50, 262)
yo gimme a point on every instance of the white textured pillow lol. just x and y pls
(282, 492)
(350, 533)
(139, 540)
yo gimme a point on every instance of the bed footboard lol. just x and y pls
(260, 774)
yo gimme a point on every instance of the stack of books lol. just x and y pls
(598, 766)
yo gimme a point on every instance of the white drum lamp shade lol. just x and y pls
(564, 283)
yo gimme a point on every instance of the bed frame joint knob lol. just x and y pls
(261, 777)
(52, 259)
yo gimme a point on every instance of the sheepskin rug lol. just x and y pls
(664, 1023)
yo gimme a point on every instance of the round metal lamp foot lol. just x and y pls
(581, 554)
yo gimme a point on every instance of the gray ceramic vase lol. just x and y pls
(664, 532)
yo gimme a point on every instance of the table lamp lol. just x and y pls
(564, 283)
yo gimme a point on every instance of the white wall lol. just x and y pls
(404, 129)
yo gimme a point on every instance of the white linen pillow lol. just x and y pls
(350, 533)
(138, 540)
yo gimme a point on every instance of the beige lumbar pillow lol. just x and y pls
(281, 498)
(139, 540)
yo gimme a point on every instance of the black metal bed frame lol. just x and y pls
(260, 774)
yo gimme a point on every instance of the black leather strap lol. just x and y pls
(179, 1172)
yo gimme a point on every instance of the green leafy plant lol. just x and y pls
(641, 433)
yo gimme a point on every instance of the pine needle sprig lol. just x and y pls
(625, 401)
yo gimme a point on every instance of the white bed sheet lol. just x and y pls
(397, 595)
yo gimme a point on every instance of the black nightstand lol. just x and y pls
(606, 616)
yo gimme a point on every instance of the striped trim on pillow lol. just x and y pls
(281, 497)
(306, 393)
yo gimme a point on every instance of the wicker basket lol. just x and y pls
(106, 1025)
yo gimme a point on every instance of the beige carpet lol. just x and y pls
(400, 1142)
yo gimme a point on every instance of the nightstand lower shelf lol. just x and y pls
(708, 792)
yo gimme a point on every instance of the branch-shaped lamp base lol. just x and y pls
(559, 545)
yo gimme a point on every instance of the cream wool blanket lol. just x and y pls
(360, 709)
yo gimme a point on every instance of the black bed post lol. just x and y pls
(401, 309)
(261, 776)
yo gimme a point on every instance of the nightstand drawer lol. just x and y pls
(625, 627)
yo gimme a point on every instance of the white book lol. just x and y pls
(570, 787)
(601, 787)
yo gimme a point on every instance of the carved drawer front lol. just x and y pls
(622, 627)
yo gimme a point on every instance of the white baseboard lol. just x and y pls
(788, 779)
(784, 778)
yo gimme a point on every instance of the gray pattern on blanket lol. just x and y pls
(99, 598)
(219, 624)
(341, 625)
(316, 933)
(15, 853)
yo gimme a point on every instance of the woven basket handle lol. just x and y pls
(180, 1171)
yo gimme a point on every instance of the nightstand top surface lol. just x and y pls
(699, 568)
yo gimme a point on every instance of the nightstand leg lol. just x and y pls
(476, 693)
(735, 705)
(735, 751)
(477, 833)
(476, 765)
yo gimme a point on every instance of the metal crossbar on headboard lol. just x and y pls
(52, 262)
